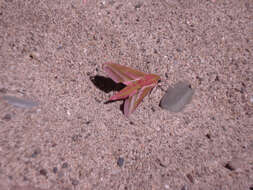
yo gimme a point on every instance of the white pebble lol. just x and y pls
(251, 99)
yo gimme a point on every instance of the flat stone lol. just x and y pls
(20, 102)
(177, 97)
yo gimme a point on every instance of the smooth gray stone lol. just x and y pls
(177, 97)
(23, 103)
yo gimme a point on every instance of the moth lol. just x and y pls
(138, 85)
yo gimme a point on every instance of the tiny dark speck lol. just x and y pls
(65, 165)
(87, 122)
(208, 136)
(55, 170)
(138, 6)
(43, 172)
(120, 162)
(54, 145)
(229, 166)
(251, 188)
(190, 177)
(74, 182)
(36, 153)
(7, 117)
(77, 137)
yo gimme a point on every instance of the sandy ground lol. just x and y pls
(51, 50)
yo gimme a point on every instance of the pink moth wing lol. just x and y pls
(135, 90)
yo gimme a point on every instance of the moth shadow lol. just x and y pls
(106, 84)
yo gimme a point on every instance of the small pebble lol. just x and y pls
(76, 138)
(36, 153)
(65, 165)
(208, 136)
(120, 162)
(228, 166)
(34, 55)
(7, 117)
(166, 186)
(138, 6)
(22, 103)
(185, 187)
(190, 177)
(251, 99)
(74, 182)
(43, 172)
(55, 170)
(177, 97)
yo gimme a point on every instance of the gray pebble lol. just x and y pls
(177, 97)
(251, 99)
(55, 170)
(65, 165)
(120, 162)
(23, 103)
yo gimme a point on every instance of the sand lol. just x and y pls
(51, 50)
